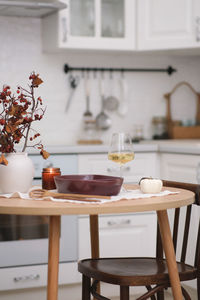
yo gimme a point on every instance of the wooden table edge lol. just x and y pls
(48, 207)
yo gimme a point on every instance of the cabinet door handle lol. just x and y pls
(26, 278)
(111, 223)
(120, 223)
(127, 169)
(64, 26)
(125, 222)
(198, 29)
(109, 170)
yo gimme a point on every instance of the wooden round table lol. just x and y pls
(56, 209)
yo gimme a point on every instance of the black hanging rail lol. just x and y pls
(169, 70)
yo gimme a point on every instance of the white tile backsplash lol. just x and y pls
(21, 52)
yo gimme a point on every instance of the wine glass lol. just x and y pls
(121, 150)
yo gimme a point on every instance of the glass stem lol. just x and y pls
(121, 175)
(120, 170)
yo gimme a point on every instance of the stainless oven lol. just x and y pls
(24, 239)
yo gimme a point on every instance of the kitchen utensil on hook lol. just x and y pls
(102, 119)
(73, 82)
(111, 102)
(87, 114)
(88, 133)
(123, 107)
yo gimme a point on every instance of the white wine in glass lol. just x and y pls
(121, 149)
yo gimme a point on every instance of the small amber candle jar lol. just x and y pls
(48, 175)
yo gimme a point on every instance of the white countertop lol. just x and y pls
(177, 146)
(164, 146)
(190, 148)
(76, 149)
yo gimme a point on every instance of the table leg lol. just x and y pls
(94, 236)
(94, 239)
(169, 253)
(53, 257)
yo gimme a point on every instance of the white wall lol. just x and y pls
(21, 52)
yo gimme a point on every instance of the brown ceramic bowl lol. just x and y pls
(89, 184)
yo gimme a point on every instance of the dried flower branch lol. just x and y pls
(17, 113)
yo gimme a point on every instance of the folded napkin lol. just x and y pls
(128, 194)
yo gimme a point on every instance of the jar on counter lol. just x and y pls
(138, 133)
(159, 128)
(89, 133)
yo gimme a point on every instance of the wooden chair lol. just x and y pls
(145, 271)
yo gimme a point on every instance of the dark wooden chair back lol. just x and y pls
(187, 225)
(128, 272)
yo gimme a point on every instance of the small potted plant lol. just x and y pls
(17, 114)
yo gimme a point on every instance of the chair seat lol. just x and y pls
(132, 271)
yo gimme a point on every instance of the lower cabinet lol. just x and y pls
(124, 234)
(26, 277)
(179, 167)
(120, 235)
(184, 168)
(144, 164)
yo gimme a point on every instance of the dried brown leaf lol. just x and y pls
(3, 160)
(12, 111)
(37, 81)
(45, 154)
(20, 121)
(15, 110)
(10, 128)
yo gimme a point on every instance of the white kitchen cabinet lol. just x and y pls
(25, 277)
(120, 235)
(179, 167)
(125, 234)
(91, 24)
(171, 24)
(183, 168)
(144, 164)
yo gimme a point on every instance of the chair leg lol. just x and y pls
(160, 295)
(185, 294)
(149, 289)
(124, 292)
(86, 283)
(94, 291)
(198, 288)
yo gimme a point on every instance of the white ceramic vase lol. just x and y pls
(18, 175)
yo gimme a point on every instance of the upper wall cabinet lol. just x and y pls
(91, 24)
(171, 24)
